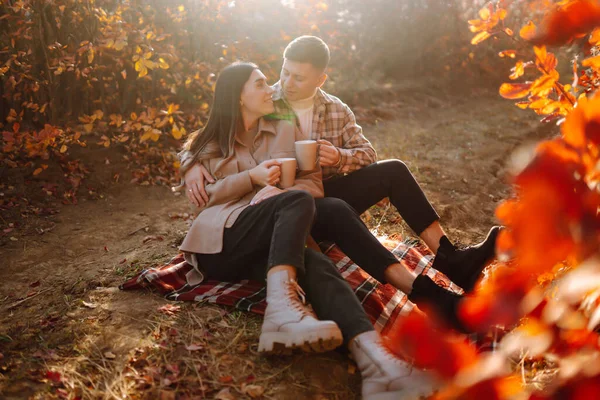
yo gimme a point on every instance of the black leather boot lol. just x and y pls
(465, 266)
(443, 303)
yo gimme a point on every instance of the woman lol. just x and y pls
(250, 229)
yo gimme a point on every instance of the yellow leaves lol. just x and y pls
(151, 133)
(90, 55)
(508, 53)
(117, 44)
(88, 120)
(143, 63)
(487, 22)
(485, 13)
(514, 91)
(480, 37)
(178, 133)
(63, 148)
(116, 120)
(518, 70)
(40, 169)
(104, 141)
(162, 63)
(528, 31)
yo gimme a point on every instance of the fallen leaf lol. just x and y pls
(110, 355)
(53, 376)
(226, 379)
(152, 237)
(194, 347)
(89, 305)
(224, 394)
(169, 309)
(253, 391)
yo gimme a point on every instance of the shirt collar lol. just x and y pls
(320, 97)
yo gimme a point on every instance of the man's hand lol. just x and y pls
(329, 155)
(194, 184)
(266, 173)
(265, 193)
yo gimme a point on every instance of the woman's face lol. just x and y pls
(256, 98)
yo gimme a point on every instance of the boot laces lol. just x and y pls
(388, 354)
(297, 297)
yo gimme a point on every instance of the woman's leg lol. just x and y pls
(267, 241)
(332, 298)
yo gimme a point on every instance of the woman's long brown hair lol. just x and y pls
(217, 137)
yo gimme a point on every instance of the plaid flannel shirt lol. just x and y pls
(335, 122)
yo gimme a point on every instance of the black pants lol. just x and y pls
(338, 222)
(365, 187)
(274, 232)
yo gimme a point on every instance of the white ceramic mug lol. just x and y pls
(306, 154)
(288, 172)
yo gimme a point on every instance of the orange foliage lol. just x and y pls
(552, 225)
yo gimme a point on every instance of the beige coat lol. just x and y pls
(233, 189)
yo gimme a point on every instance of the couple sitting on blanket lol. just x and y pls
(248, 228)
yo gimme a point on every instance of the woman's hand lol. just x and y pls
(266, 173)
(265, 193)
(194, 184)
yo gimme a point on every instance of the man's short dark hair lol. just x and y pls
(308, 49)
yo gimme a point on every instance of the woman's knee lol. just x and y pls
(299, 199)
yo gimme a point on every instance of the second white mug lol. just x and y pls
(306, 154)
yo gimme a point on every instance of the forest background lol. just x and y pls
(97, 96)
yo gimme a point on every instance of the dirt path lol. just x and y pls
(60, 311)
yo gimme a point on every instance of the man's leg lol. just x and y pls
(392, 178)
(365, 187)
(337, 221)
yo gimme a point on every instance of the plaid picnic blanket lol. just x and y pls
(384, 304)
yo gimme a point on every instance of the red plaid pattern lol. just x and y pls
(384, 304)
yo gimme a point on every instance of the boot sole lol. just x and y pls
(281, 343)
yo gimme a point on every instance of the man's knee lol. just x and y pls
(332, 207)
(395, 168)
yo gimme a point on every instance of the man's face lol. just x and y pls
(300, 80)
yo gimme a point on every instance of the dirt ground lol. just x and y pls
(66, 331)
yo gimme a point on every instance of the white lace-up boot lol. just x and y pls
(384, 375)
(289, 324)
